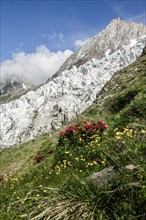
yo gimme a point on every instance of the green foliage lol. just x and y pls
(57, 186)
(120, 101)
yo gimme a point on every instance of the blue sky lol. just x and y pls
(59, 25)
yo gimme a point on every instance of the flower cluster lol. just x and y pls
(39, 158)
(84, 126)
(81, 132)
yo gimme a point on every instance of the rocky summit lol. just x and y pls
(75, 86)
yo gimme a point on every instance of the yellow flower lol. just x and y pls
(23, 216)
(40, 186)
(143, 131)
(44, 190)
(103, 162)
(69, 163)
(57, 168)
(66, 152)
(95, 162)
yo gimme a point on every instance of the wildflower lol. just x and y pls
(62, 133)
(97, 126)
(66, 152)
(44, 190)
(40, 186)
(87, 126)
(69, 163)
(57, 168)
(70, 129)
(103, 162)
(102, 124)
(91, 129)
(23, 215)
(39, 158)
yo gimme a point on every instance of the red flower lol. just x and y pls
(62, 133)
(97, 126)
(102, 124)
(91, 129)
(38, 158)
(87, 126)
(70, 129)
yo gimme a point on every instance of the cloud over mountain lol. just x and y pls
(35, 67)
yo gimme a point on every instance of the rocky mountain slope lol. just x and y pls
(129, 77)
(67, 94)
(13, 88)
(115, 36)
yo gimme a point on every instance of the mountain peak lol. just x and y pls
(116, 20)
(115, 36)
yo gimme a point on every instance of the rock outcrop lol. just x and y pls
(115, 36)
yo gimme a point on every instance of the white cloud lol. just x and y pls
(35, 67)
(55, 36)
(79, 43)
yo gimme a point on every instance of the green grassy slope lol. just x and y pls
(57, 186)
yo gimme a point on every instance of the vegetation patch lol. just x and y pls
(52, 180)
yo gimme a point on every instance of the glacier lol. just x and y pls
(62, 98)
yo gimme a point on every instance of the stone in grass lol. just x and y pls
(105, 175)
(102, 177)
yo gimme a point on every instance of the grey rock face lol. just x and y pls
(102, 177)
(115, 36)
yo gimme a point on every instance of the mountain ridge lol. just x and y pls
(113, 37)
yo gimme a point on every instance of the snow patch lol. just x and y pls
(107, 52)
